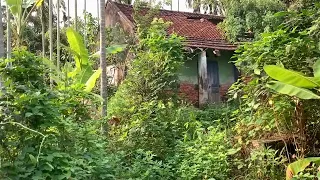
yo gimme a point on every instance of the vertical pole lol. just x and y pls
(85, 22)
(58, 34)
(103, 63)
(68, 11)
(178, 5)
(2, 53)
(50, 36)
(43, 32)
(98, 11)
(8, 34)
(76, 15)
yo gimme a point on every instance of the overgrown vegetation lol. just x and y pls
(50, 128)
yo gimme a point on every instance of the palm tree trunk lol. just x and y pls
(103, 63)
(43, 31)
(58, 34)
(1, 34)
(76, 15)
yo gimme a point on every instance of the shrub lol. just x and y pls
(205, 156)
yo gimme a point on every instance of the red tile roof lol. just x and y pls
(199, 30)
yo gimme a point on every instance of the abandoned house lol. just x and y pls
(208, 74)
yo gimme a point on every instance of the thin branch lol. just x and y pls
(34, 131)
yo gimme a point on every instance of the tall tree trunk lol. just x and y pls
(8, 34)
(58, 34)
(43, 26)
(103, 63)
(98, 11)
(1, 40)
(76, 15)
(1, 34)
(50, 36)
(85, 22)
(68, 11)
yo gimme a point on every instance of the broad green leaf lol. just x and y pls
(78, 48)
(299, 166)
(282, 13)
(111, 50)
(15, 7)
(92, 80)
(84, 75)
(33, 159)
(290, 77)
(292, 90)
(316, 69)
(114, 49)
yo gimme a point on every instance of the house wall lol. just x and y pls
(226, 69)
(188, 75)
(115, 16)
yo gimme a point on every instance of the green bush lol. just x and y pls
(205, 156)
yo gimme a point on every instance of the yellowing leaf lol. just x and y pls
(92, 80)
(39, 3)
(299, 166)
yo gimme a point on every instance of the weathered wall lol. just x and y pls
(188, 76)
(114, 16)
(226, 70)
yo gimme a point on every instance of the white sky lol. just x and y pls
(92, 6)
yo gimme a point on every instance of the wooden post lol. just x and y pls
(203, 78)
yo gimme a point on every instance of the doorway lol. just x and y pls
(213, 82)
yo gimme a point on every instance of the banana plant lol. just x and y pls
(294, 83)
(20, 13)
(82, 71)
(299, 166)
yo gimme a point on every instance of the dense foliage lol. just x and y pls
(266, 115)
(50, 128)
